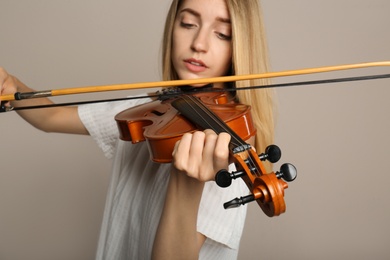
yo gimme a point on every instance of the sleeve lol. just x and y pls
(99, 119)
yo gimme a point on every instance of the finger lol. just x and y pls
(187, 154)
(2, 79)
(7, 83)
(197, 144)
(181, 151)
(175, 147)
(207, 169)
(221, 152)
(3, 74)
(209, 147)
(195, 157)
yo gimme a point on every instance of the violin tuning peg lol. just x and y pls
(272, 154)
(234, 203)
(287, 172)
(223, 178)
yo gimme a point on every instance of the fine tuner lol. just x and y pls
(272, 153)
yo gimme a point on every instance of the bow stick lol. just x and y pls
(174, 83)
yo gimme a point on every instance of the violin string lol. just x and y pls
(223, 127)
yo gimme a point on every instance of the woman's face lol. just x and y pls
(202, 45)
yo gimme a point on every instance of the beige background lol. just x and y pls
(52, 186)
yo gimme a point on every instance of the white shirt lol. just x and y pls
(137, 192)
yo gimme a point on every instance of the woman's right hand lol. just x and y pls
(56, 119)
(7, 84)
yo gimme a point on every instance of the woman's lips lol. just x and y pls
(194, 65)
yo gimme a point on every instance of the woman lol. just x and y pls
(203, 38)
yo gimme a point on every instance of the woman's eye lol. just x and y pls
(224, 36)
(187, 25)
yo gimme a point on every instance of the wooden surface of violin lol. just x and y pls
(161, 125)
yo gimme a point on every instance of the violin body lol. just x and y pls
(161, 125)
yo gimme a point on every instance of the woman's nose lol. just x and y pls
(200, 42)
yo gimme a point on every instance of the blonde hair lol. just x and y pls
(250, 56)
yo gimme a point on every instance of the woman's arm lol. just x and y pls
(197, 157)
(56, 119)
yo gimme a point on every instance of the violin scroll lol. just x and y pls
(266, 189)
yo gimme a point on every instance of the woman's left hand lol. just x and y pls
(202, 154)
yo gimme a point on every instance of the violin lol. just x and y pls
(162, 123)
